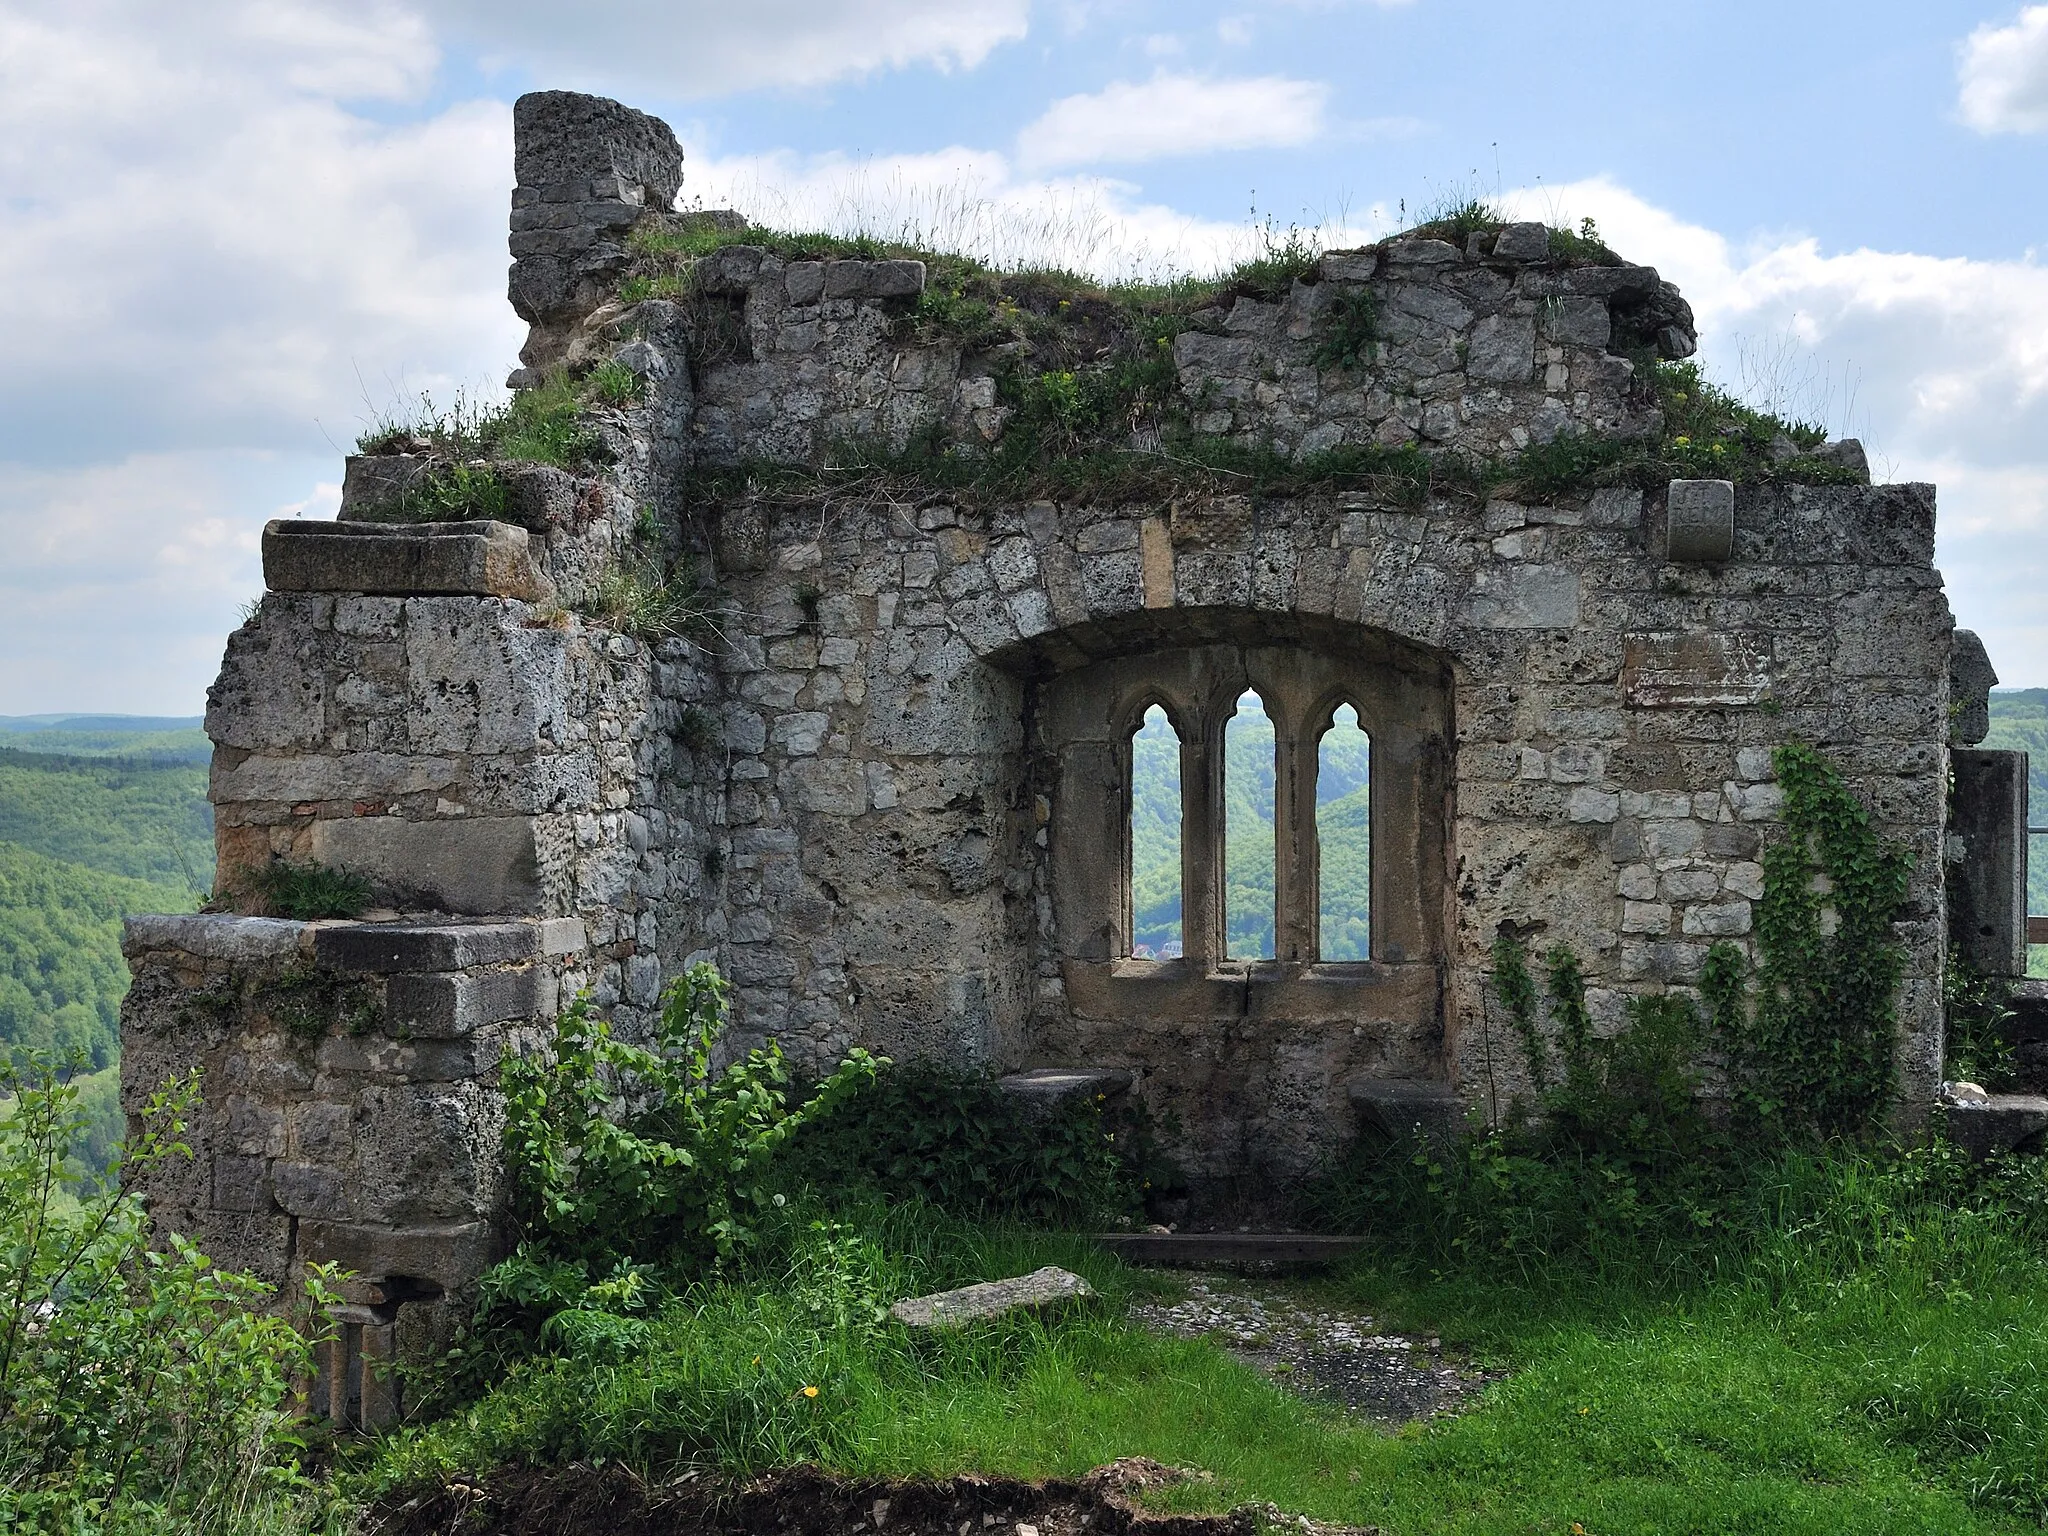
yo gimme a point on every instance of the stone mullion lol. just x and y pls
(1201, 841)
(1296, 854)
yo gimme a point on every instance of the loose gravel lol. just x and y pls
(1320, 1351)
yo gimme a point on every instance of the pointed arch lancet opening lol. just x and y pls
(1154, 830)
(1248, 853)
(1344, 838)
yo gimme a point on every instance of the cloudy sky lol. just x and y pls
(236, 233)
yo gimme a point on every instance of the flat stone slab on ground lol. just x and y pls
(994, 1298)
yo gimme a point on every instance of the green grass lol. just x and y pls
(1868, 1358)
(308, 892)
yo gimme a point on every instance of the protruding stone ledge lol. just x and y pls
(373, 948)
(1046, 1089)
(213, 936)
(1403, 1106)
(388, 948)
(479, 559)
(1983, 1123)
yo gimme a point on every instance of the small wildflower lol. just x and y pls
(810, 1391)
(757, 1359)
(1682, 441)
(1584, 1411)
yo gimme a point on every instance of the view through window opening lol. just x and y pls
(1344, 838)
(1155, 833)
(1248, 903)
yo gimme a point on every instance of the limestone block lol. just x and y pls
(1988, 918)
(1528, 241)
(386, 948)
(1041, 1288)
(476, 865)
(380, 486)
(1503, 349)
(1983, 1123)
(320, 776)
(1422, 253)
(1576, 322)
(895, 279)
(450, 1256)
(426, 1152)
(260, 941)
(1047, 1088)
(1523, 597)
(483, 559)
(1700, 520)
(1402, 1107)
(1970, 681)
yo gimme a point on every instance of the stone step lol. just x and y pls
(1047, 1088)
(1983, 1123)
(1171, 1250)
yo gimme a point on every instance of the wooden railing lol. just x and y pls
(2037, 927)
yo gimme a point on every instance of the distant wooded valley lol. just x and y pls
(103, 816)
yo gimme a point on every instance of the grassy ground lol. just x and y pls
(1874, 1369)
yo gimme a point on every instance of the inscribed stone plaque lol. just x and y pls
(1676, 669)
(1701, 520)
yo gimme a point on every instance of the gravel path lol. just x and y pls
(1321, 1351)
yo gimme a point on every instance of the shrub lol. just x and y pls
(1814, 1050)
(623, 1151)
(140, 1389)
(958, 1142)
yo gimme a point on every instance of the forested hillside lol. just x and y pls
(105, 817)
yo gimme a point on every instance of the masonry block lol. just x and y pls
(1988, 917)
(479, 559)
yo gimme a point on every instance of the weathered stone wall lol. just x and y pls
(1614, 715)
(857, 797)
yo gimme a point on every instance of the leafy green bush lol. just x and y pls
(620, 1151)
(140, 1389)
(961, 1144)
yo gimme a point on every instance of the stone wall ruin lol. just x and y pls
(889, 798)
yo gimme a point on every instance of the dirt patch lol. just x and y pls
(1323, 1352)
(610, 1501)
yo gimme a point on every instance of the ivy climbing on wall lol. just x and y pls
(1815, 1046)
(1809, 1047)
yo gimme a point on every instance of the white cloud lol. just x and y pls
(1940, 363)
(210, 263)
(123, 579)
(981, 203)
(1175, 115)
(715, 48)
(2002, 77)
